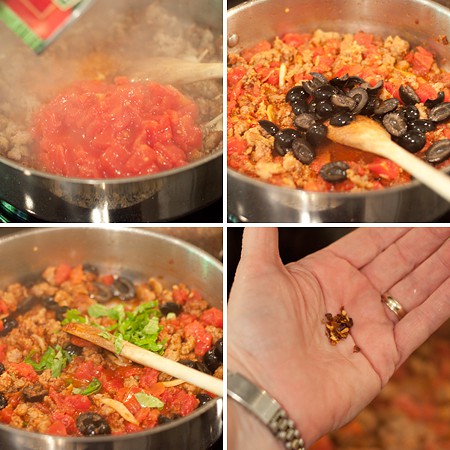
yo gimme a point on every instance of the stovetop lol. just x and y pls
(210, 214)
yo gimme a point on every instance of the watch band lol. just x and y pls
(266, 409)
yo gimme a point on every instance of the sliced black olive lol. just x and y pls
(188, 363)
(386, 106)
(373, 90)
(312, 107)
(283, 140)
(316, 134)
(305, 121)
(26, 305)
(164, 419)
(324, 109)
(101, 293)
(87, 267)
(340, 82)
(361, 96)
(343, 101)
(353, 81)
(269, 126)
(422, 126)
(323, 92)
(73, 350)
(412, 141)
(437, 101)
(334, 171)
(2, 368)
(211, 360)
(411, 113)
(60, 313)
(203, 399)
(124, 288)
(8, 324)
(92, 424)
(408, 95)
(341, 120)
(3, 401)
(170, 307)
(202, 367)
(218, 348)
(296, 93)
(299, 107)
(440, 112)
(303, 151)
(319, 77)
(370, 106)
(34, 393)
(395, 123)
(49, 302)
(438, 152)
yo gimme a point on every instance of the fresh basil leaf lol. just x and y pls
(148, 401)
(73, 315)
(93, 387)
(55, 359)
(106, 335)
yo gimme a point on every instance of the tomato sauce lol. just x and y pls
(96, 129)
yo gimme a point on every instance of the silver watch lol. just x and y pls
(266, 409)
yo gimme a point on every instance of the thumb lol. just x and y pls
(260, 249)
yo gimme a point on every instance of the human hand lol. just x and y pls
(276, 337)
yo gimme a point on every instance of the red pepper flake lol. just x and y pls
(337, 327)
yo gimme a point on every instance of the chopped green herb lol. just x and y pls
(118, 343)
(73, 315)
(116, 313)
(106, 335)
(55, 359)
(148, 401)
(93, 387)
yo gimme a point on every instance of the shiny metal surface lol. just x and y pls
(418, 21)
(151, 198)
(138, 254)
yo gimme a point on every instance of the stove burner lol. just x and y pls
(9, 214)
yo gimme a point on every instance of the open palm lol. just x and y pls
(276, 335)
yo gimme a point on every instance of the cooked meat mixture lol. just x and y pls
(55, 383)
(283, 94)
(103, 44)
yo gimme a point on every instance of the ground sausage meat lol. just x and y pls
(52, 382)
(260, 77)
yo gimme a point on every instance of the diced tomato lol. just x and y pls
(62, 273)
(203, 339)
(384, 168)
(106, 279)
(422, 61)
(67, 420)
(117, 129)
(212, 316)
(156, 389)
(3, 308)
(148, 377)
(179, 401)
(235, 75)
(425, 92)
(237, 145)
(57, 428)
(295, 39)
(80, 403)
(88, 370)
(181, 295)
(3, 348)
(352, 70)
(269, 75)
(126, 396)
(365, 39)
(79, 342)
(25, 370)
(147, 417)
(262, 46)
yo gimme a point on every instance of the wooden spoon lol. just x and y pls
(366, 134)
(147, 358)
(167, 70)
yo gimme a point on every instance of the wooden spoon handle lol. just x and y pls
(147, 358)
(436, 180)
